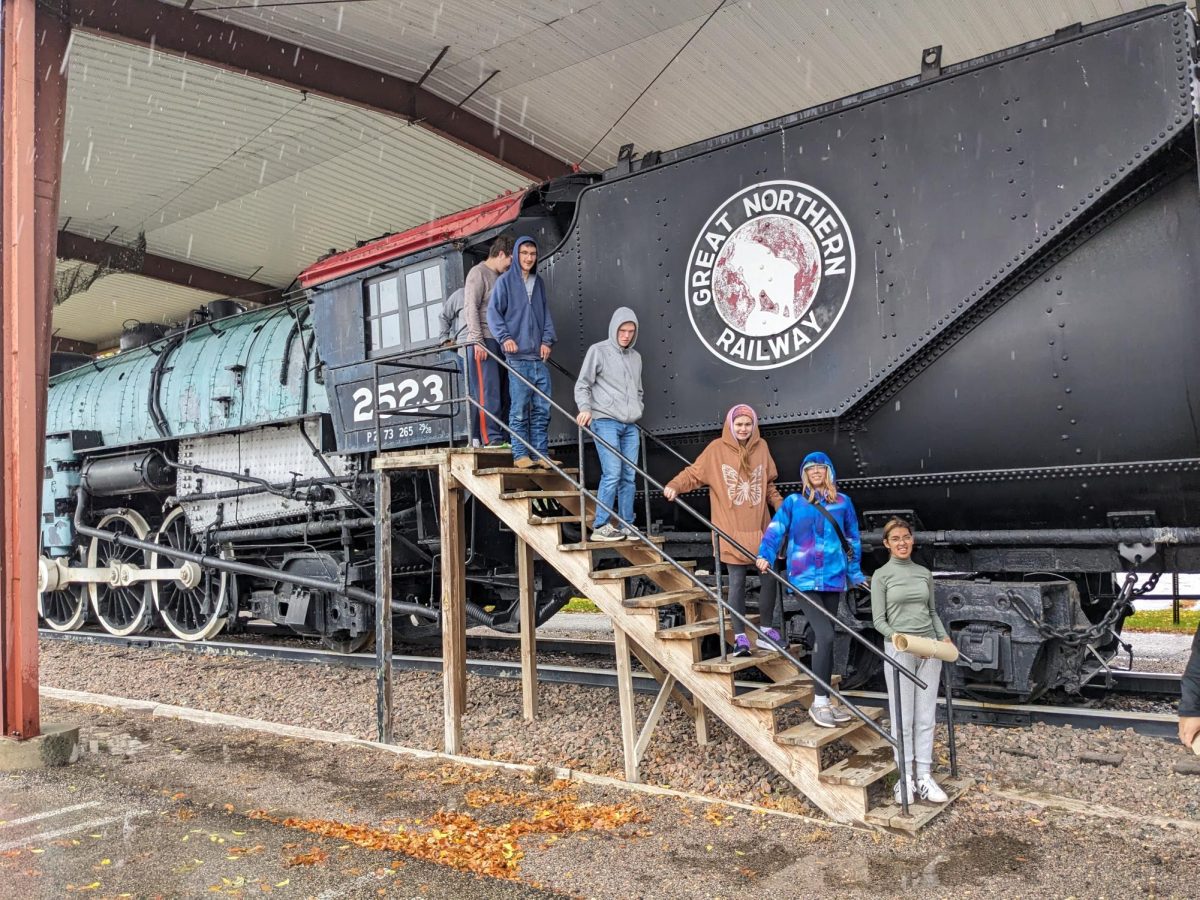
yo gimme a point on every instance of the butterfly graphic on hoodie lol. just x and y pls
(743, 490)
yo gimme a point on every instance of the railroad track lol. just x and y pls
(966, 711)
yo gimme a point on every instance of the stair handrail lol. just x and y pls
(896, 741)
(686, 507)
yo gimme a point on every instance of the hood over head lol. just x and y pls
(620, 316)
(516, 262)
(744, 450)
(817, 458)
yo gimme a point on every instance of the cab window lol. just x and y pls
(402, 308)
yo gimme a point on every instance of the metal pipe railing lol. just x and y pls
(720, 601)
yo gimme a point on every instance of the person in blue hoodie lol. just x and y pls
(519, 317)
(824, 560)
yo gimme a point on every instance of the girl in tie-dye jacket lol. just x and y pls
(818, 565)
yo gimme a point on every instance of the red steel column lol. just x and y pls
(25, 307)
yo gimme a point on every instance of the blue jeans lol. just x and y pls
(616, 475)
(529, 414)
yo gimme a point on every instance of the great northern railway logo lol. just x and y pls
(770, 274)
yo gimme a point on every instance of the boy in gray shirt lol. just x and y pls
(608, 393)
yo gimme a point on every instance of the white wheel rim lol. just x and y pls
(215, 623)
(77, 619)
(141, 620)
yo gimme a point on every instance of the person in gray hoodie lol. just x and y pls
(608, 393)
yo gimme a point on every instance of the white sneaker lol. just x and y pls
(896, 792)
(928, 789)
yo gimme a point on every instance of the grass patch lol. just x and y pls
(1160, 620)
(581, 605)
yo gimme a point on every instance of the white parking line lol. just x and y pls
(71, 829)
(48, 814)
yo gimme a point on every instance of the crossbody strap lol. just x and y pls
(846, 547)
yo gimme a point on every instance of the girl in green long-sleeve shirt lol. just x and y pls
(902, 602)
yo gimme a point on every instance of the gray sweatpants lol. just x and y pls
(919, 706)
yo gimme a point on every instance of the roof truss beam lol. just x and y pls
(181, 31)
(97, 252)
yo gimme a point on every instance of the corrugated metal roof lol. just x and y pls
(240, 175)
(96, 315)
(567, 71)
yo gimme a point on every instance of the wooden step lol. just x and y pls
(536, 495)
(655, 601)
(553, 520)
(611, 545)
(623, 572)
(534, 471)
(775, 695)
(921, 813)
(863, 768)
(735, 663)
(810, 734)
(694, 630)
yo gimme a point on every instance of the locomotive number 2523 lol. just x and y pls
(406, 394)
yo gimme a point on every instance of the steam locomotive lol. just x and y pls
(974, 288)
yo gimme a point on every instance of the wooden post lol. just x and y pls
(454, 607)
(625, 692)
(529, 684)
(383, 605)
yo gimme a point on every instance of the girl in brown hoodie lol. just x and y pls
(740, 474)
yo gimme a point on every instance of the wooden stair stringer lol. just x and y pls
(839, 802)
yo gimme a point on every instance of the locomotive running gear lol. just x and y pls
(816, 561)
(741, 483)
(609, 385)
(519, 314)
(902, 600)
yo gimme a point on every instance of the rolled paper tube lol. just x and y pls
(1196, 745)
(919, 646)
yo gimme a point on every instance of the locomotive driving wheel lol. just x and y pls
(64, 609)
(197, 613)
(121, 609)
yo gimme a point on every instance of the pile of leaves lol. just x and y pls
(461, 841)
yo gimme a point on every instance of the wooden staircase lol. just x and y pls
(673, 655)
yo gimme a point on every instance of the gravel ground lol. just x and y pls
(578, 727)
(986, 846)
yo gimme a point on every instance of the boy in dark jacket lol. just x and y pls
(519, 316)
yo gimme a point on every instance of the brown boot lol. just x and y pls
(523, 462)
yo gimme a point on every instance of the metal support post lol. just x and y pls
(383, 606)
(950, 721)
(716, 545)
(902, 764)
(1175, 598)
(645, 485)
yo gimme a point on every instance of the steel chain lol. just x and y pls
(1076, 637)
